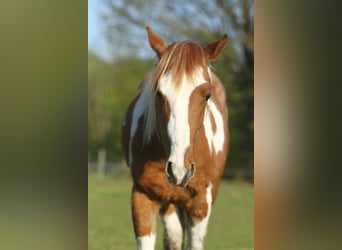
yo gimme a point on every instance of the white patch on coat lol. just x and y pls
(199, 230)
(214, 140)
(178, 127)
(146, 242)
(174, 230)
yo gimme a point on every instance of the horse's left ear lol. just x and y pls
(213, 50)
(156, 43)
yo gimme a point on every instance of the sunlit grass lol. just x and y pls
(110, 226)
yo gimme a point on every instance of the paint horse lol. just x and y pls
(175, 139)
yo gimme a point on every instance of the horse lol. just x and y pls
(175, 140)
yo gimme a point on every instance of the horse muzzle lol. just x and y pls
(179, 178)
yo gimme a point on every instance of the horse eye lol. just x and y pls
(207, 96)
(159, 94)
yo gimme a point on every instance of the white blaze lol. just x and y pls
(178, 127)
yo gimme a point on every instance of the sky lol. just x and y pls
(96, 41)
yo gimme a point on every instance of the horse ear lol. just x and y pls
(213, 50)
(156, 43)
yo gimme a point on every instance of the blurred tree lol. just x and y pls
(111, 86)
(201, 21)
(125, 75)
(98, 112)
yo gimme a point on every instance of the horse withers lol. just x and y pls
(175, 139)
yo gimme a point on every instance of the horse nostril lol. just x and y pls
(169, 169)
(192, 170)
(190, 173)
(170, 176)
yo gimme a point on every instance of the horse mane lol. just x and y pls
(180, 59)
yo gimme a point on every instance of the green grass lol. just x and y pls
(109, 218)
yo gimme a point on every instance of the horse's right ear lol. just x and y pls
(156, 43)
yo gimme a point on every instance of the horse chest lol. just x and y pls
(151, 179)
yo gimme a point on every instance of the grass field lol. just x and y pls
(110, 226)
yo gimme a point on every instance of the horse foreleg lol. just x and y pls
(173, 230)
(144, 214)
(198, 221)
